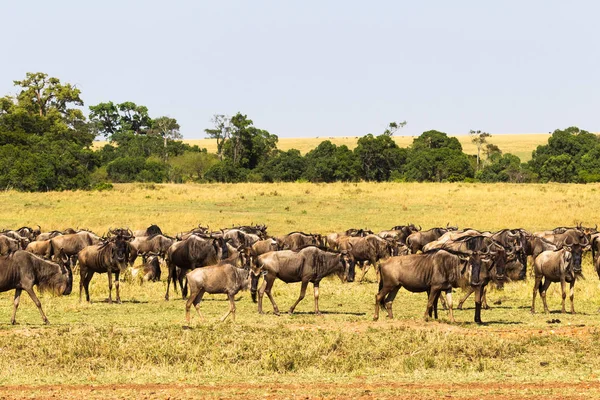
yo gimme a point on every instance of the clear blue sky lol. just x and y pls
(321, 68)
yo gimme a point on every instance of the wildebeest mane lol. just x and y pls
(43, 271)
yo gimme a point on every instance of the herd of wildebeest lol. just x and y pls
(229, 260)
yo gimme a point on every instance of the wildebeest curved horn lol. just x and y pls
(596, 227)
(570, 243)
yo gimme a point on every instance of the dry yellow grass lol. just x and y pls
(519, 144)
(286, 207)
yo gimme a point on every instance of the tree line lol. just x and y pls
(46, 143)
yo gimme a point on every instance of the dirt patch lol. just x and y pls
(493, 391)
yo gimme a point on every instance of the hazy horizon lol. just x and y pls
(322, 69)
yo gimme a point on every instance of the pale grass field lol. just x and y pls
(142, 341)
(520, 145)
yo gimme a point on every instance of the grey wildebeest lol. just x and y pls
(150, 269)
(39, 247)
(595, 245)
(432, 272)
(47, 235)
(71, 244)
(23, 241)
(8, 245)
(309, 265)
(108, 257)
(223, 278)
(400, 232)
(23, 270)
(297, 240)
(417, 240)
(369, 249)
(194, 252)
(158, 244)
(555, 266)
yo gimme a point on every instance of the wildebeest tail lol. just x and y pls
(382, 301)
(254, 286)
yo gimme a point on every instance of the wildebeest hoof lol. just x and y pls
(498, 302)
(532, 312)
(13, 322)
(486, 307)
(459, 307)
(318, 313)
(46, 322)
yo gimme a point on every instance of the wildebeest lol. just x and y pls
(225, 277)
(23, 270)
(239, 238)
(250, 254)
(157, 243)
(369, 249)
(595, 245)
(150, 268)
(23, 241)
(47, 235)
(39, 248)
(258, 230)
(71, 244)
(554, 266)
(400, 232)
(310, 264)
(200, 230)
(191, 253)
(432, 272)
(417, 240)
(297, 240)
(8, 245)
(108, 257)
(149, 231)
(30, 233)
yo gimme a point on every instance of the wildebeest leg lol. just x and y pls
(443, 301)
(435, 304)
(16, 305)
(266, 288)
(231, 311)
(316, 289)
(484, 303)
(169, 277)
(478, 294)
(470, 290)
(543, 290)
(379, 301)
(449, 303)
(117, 286)
(536, 288)
(194, 299)
(572, 295)
(302, 294)
(365, 268)
(183, 283)
(432, 295)
(86, 285)
(35, 299)
(389, 300)
(109, 287)
(563, 291)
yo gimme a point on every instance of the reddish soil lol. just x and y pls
(489, 391)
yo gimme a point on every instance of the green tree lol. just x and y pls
(329, 163)
(378, 156)
(479, 139)
(168, 129)
(283, 166)
(393, 127)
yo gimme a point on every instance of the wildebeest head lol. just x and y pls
(120, 252)
(348, 272)
(60, 281)
(576, 251)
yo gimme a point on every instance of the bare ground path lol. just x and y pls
(490, 391)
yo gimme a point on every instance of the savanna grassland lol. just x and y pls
(520, 145)
(139, 348)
